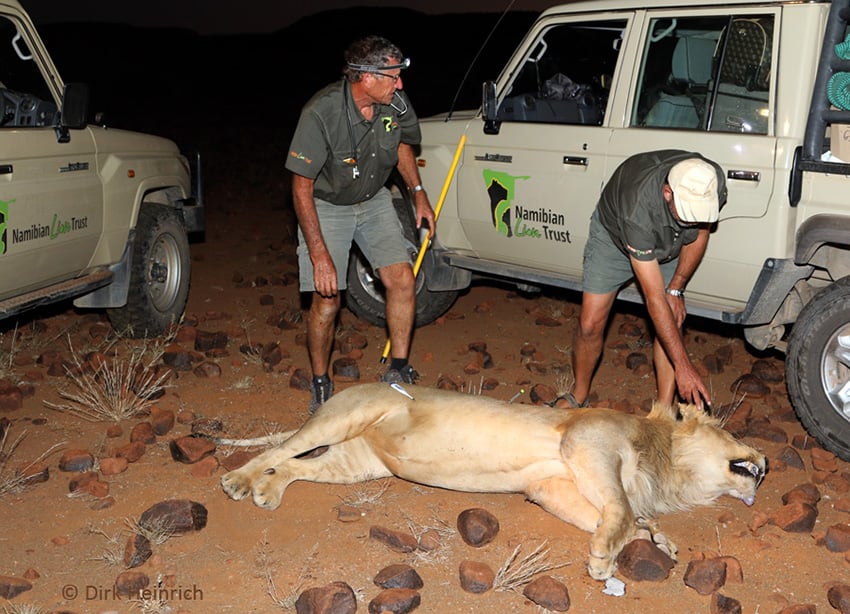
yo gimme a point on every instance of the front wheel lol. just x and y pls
(159, 275)
(817, 367)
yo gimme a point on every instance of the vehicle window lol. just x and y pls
(566, 77)
(25, 100)
(706, 73)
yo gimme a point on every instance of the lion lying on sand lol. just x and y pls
(598, 469)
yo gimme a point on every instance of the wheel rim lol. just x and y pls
(371, 283)
(163, 273)
(835, 371)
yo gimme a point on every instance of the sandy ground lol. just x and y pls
(243, 275)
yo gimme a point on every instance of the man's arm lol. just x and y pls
(410, 174)
(668, 329)
(324, 271)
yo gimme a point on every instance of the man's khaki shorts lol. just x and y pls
(372, 224)
(606, 269)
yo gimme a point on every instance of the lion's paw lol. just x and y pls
(268, 491)
(237, 484)
(601, 567)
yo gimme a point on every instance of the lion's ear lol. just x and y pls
(661, 411)
(690, 412)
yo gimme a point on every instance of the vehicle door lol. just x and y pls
(51, 201)
(528, 187)
(705, 81)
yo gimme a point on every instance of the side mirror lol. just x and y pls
(490, 108)
(75, 105)
(488, 100)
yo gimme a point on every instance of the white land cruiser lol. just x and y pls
(593, 82)
(88, 212)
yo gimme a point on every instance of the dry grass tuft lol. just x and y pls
(513, 574)
(118, 388)
(367, 493)
(157, 532)
(23, 608)
(16, 480)
(265, 563)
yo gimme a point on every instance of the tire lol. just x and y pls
(817, 368)
(365, 295)
(159, 275)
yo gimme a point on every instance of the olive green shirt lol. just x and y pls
(633, 210)
(332, 139)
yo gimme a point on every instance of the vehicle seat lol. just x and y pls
(744, 85)
(682, 105)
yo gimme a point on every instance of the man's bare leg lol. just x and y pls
(321, 322)
(587, 346)
(401, 306)
(665, 374)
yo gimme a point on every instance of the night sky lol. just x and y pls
(228, 17)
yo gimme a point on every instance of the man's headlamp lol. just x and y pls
(372, 68)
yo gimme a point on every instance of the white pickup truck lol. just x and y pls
(761, 87)
(99, 214)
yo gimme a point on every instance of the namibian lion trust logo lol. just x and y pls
(515, 220)
(4, 223)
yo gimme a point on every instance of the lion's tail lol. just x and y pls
(270, 440)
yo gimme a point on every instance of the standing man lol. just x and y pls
(651, 224)
(349, 137)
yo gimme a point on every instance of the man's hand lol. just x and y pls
(424, 213)
(324, 276)
(677, 306)
(691, 387)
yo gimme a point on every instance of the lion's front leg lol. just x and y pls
(616, 529)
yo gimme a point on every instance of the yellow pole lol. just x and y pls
(427, 239)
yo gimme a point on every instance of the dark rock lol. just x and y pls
(635, 360)
(721, 604)
(394, 540)
(335, 598)
(143, 432)
(266, 300)
(113, 465)
(11, 398)
(349, 513)
(446, 383)
(791, 458)
(129, 583)
(346, 367)
(190, 449)
(76, 460)
(11, 587)
(839, 598)
(237, 459)
(641, 560)
(762, 429)
(398, 576)
(630, 329)
(705, 576)
(477, 527)
(768, 371)
(806, 493)
(734, 571)
(102, 504)
(177, 515)
(162, 420)
(712, 364)
(177, 358)
(838, 538)
(750, 385)
(478, 346)
(207, 426)
(548, 593)
(137, 551)
(205, 341)
(476, 577)
(725, 354)
(430, 541)
(395, 600)
(527, 349)
(490, 384)
(207, 369)
(797, 517)
(271, 354)
(33, 473)
(301, 379)
(131, 451)
(542, 394)
(803, 442)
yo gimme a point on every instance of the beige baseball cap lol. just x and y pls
(694, 185)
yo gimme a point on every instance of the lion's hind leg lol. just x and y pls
(561, 498)
(348, 462)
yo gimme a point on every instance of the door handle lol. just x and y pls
(744, 175)
(575, 160)
(5, 169)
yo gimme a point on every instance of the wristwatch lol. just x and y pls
(676, 293)
(416, 188)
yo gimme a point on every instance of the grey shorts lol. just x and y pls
(606, 269)
(372, 224)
